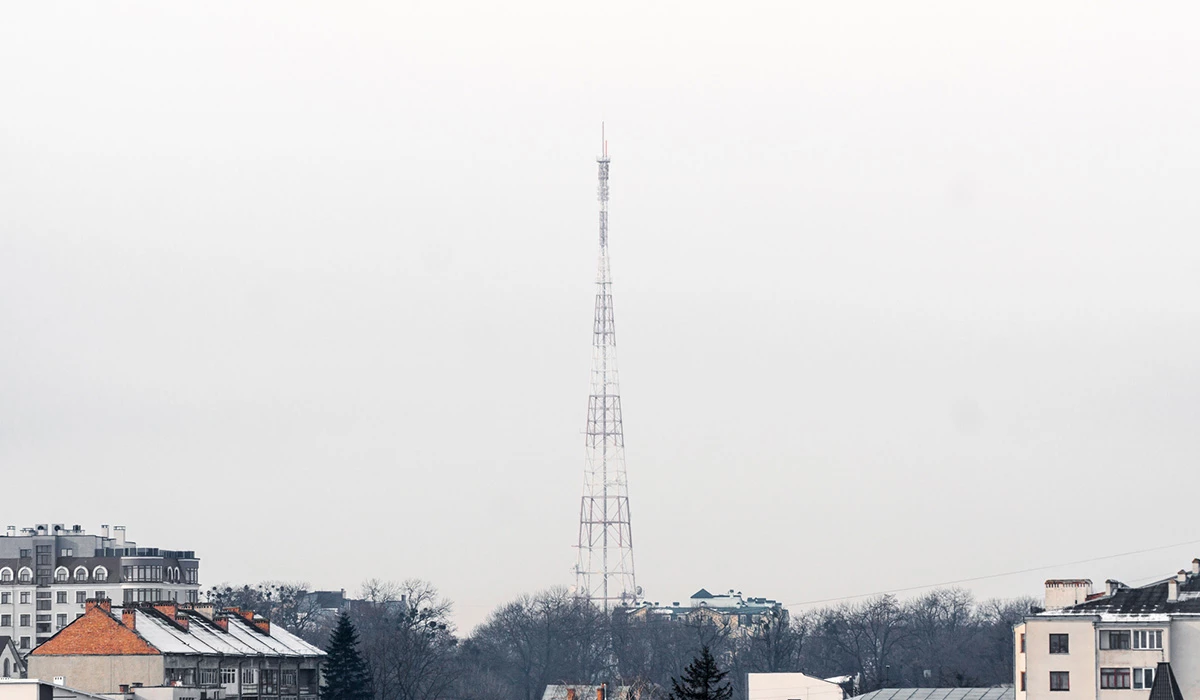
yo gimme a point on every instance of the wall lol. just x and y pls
(1184, 655)
(99, 674)
(1080, 662)
(791, 686)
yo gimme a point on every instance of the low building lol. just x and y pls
(791, 686)
(12, 664)
(1108, 645)
(216, 654)
(36, 689)
(730, 611)
(588, 692)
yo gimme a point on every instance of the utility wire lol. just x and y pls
(982, 578)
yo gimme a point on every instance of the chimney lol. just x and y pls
(119, 534)
(1066, 592)
(222, 622)
(129, 617)
(1181, 576)
(103, 603)
(1173, 590)
(1112, 586)
(206, 610)
(11, 531)
(104, 531)
(168, 609)
(570, 694)
(600, 693)
(182, 621)
(1196, 566)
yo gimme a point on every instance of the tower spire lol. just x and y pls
(604, 572)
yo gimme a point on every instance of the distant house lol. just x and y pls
(792, 686)
(731, 611)
(588, 692)
(12, 664)
(166, 651)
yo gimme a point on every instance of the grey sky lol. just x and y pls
(905, 292)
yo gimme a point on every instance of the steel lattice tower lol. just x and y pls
(604, 573)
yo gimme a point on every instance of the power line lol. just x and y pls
(982, 578)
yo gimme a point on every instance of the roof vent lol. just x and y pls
(1181, 576)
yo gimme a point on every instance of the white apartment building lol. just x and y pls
(1108, 645)
(48, 571)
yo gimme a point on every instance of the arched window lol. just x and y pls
(61, 574)
(177, 579)
(81, 574)
(6, 668)
(6, 575)
(100, 574)
(25, 575)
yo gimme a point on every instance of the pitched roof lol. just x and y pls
(939, 694)
(702, 593)
(97, 633)
(1165, 686)
(1143, 600)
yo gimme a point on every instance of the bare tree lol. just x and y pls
(407, 637)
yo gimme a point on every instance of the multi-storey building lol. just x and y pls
(170, 651)
(732, 612)
(1109, 645)
(48, 571)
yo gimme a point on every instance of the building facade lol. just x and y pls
(48, 571)
(1108, 645)
(730, 611)
(188, 651)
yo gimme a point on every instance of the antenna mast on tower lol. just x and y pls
(604, 573)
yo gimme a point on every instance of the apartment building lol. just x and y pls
(48, 571)
(170, 651)
(1109, 645)
(731, 611)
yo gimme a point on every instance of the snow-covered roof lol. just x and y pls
(201, 635)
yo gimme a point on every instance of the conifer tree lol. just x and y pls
(346, 673)
(701, 680)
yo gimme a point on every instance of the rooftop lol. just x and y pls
(939, 694)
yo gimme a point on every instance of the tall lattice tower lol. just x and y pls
(604, 573)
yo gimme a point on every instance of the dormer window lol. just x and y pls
(81, 574)
(6, 575)
(25, 575)
(61, 575)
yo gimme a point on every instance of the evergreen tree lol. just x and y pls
(701, 680)
(346, 673)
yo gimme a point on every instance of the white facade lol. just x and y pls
(791, 686)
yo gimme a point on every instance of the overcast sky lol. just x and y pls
(905, 292)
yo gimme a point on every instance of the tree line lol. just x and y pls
(411, 650)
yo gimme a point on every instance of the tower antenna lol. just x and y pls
(604, 572)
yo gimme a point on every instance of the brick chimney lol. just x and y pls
(103, 603)
(129, 617)
(1196, 566)
(168, 609)
(570, 694)
(182, 621)
(1181, 576)
(221, 621)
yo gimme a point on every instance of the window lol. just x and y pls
(1147, 639)
(1114, 639)
(6, 575)
(44, 604)
(43, 618)
(1022, 642)
(248, 676)
(81, 574)
(1143, 678)
(229, 676)
(66, 552)
(1059, 644)
(99, 574)
(24, 642)
(1022, 681)
(1114, 678)
(141, 573)
(25, 576)
(143, 595)
(24, 620)
(209, 676)
(5, 620)
(5, 598)
(61, 574)
(62, 620)
(26, 553)
(62, 597)
(1060, 680)
(25, 597)
(100, 595)
(80, 596)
